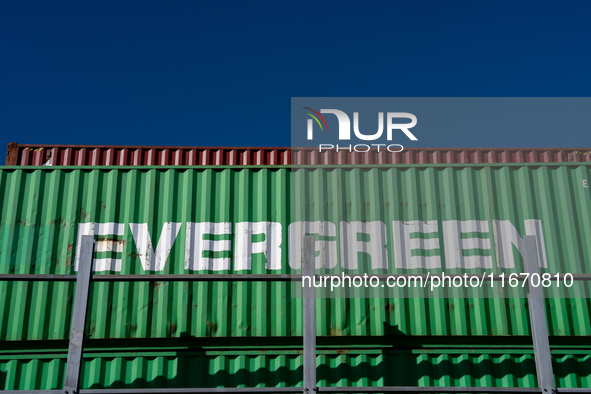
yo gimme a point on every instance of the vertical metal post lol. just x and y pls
(537, 316)
(75, 347)
(309, 295)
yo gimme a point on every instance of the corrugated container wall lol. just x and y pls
(283, 368)
(92, 155)
(141, 219)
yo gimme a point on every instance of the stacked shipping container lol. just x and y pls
(45, 209)
(90, 155)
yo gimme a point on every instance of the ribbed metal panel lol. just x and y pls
(91, 155)
(284, 368)
(42, 209)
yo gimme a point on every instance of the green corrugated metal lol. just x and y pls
(42, 208)
(284, 368)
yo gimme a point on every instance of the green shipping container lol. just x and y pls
(283, 368)
(162, 220)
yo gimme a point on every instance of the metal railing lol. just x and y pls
(83, 279)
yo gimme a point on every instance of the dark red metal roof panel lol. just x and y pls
(87, 155)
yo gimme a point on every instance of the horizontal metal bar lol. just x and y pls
(197, 278)
(38, 277)
(416, 389)
(195, 390)
(167, 390)
(372, 389)
(240, 277)
(32, 391)
(154, 278)
(496, 277)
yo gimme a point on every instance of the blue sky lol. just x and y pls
(223, 73)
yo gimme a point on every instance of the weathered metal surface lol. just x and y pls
(283, 368)
(12, 154)
(94, 155)
(537, 318)
(79, 314)
(44, 211)
(309, 317)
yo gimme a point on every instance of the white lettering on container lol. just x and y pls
(270, 246)
(375, 247)
(403, 244)
(154, 260)
(326, 250)
(454, 244)
(507, 236)
(102, 245)
(195, 245)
